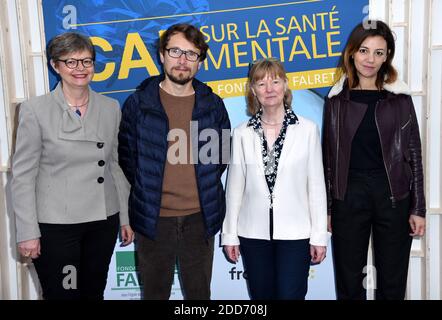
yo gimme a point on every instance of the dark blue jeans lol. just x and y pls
(276, 269)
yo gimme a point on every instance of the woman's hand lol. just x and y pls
(30, 248)
(127, 235)
(232, 253)
(317, 253)
(417, 225)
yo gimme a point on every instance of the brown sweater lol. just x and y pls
(180, 192)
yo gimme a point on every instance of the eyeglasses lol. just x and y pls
(73, 63)
(177, 52)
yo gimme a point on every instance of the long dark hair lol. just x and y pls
(371, 28)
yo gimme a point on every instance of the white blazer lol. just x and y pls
(299, 204)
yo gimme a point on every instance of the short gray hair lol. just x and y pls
(69, 42)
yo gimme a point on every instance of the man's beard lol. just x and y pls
(182, 80)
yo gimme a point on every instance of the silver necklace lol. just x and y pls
(270, 124)
(79, 106)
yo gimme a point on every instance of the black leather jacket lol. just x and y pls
(399, 135)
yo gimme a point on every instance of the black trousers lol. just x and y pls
(179, 240)
(75, 258)
(367, 208)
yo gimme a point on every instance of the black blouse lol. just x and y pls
(366, 152)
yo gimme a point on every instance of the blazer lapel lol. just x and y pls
(257, 150)
(72, 127)
(91, 121)
(289, 141)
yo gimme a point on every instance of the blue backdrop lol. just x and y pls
(308, 36)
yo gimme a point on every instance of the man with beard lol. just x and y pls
(177, 202)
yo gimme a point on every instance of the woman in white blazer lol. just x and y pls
(68, 191)
(276, 198)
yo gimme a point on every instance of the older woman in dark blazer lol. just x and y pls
(68, 191)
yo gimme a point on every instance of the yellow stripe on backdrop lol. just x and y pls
(319, 78)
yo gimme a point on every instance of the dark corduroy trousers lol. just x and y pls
(182, 241)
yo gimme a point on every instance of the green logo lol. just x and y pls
(126, 261)
(127, 271)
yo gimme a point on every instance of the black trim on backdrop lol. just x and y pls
(123, 309)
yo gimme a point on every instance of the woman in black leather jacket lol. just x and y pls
(373, 167)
